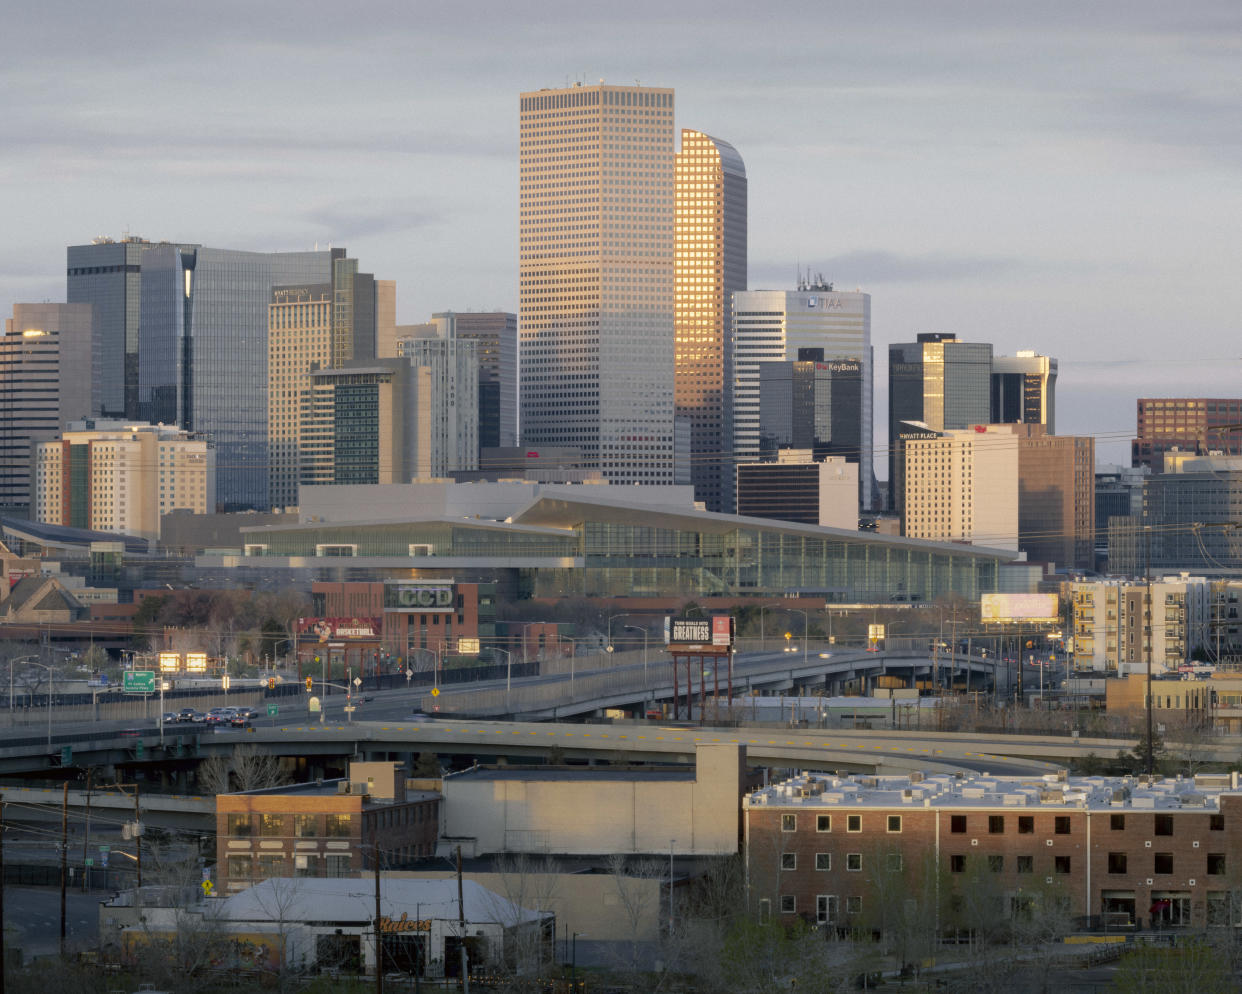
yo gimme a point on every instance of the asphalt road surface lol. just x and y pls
(32, 919)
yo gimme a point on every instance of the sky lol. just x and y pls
(1063, 177)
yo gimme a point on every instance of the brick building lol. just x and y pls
(976, 850)
(324, 828)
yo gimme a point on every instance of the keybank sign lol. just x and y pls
(415, 597)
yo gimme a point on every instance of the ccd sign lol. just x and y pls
(424, 598)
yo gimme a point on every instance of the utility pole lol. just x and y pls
(1148, 630)
(461, 922)
(138, 834)
(86, 834)
(379, 946)
(64, 859)
(1, 894)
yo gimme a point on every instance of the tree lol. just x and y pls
(246, 768)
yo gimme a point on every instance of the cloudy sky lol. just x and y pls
(1059, 176)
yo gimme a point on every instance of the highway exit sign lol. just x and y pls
(139, 682)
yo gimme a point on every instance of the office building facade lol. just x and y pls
(937, 382)
(596, 277)
(107, 276)
(774, 326)
(448, 407)
(1194, 424)
(116, 477)
(797, 487)
(45, 372)
(811, 403)
(1056, 497)
(1024, 389)
(709, 267)
(204, 351)
(494, 334)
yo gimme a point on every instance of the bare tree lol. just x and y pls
(247, 768)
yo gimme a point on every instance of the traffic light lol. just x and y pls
(310, 684)
(271, 683)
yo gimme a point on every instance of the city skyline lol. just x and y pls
(1055, 183)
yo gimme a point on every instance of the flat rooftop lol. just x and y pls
(647, 774)
(981, 791)
(331, 788)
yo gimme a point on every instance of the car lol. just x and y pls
(247, 712)
(188, 714)
(170, 717)
(220, 716)
(239, 720)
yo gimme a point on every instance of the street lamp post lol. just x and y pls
(50, 671)
(636, 628)
(12, 663)
(508, 672)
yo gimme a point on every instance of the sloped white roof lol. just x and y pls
(352, 899)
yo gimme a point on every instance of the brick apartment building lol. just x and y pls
(324, 828)
(833, 849)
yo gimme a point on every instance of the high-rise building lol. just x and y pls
(204, 351)
(596, 277)
(773, 326)
(1196, 424)
(300, 322)
(962, 486)
(1056, 497)
(448, 435)
(45, 372)
(811, 403)
(1024, 390)
(935, 384)
(356, 422)
(709, 267)
(495, 335)
(115, 476)
(107, 275)
(797, 487)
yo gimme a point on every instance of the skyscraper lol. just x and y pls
(495, 335)
(937, 382)
(204, 351)
(709, 267)
(1195, 424)
(107, 275)
(1024, 390)
(773, 325)
(811, 403)
(45, 372)
(448, 432)
(596, 277)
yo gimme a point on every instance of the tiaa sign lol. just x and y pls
(422, 598)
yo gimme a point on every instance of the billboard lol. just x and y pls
(722, 630)
(691, 631)
(1016, 608)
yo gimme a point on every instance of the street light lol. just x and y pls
(50, 671)
(508, 672)
(636, 628)
(19, 659)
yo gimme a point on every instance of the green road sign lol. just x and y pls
(138, 682)
(89, 861)
(66, 755)
(140, 749)
(273, 710)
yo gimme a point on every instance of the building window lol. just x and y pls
(789, 904)
(306, 865)
(996, 863)
(957, 824)
(1162, 862)
(823, 823)
(1216, 823)
(337, 865)
(996, 824)
(239, 867)
(239, 825)
(1026, 825)
(305, 826)
(789, 823)
(271, 865)
(1117, 823)
(893, 861)
(336, 826)
(1216, 864)
(1061, 864)
(853, 861)
(894, 823)
(853, 905)
(957, 863)
(1116, 862)
(825, 908)
(1164, 825)
(1061, 825)
(271, 825)
(853, 823)
(823, 861)
(1025, 864)
(789, 861)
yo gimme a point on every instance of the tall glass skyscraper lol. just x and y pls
(596, 277)
(203, 341)
(776, 325)
(709, 267)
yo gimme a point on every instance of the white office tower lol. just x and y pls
(773, 326)
(596, 277)
(447, 407)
